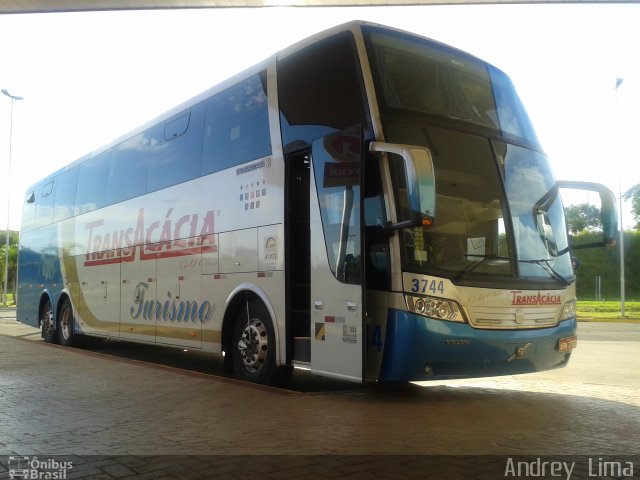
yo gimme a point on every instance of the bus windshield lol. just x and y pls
(498, 214)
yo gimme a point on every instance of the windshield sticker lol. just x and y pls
(476, 247)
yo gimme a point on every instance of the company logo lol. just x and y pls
(519, 352)
(535, 299)
(270, 253)
(189, 234)
(171, 310)
(33, 468)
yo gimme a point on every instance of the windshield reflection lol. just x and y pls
(537, 214)
(485, 229)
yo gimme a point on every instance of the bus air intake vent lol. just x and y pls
(512, 317)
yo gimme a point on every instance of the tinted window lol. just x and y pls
(45, 197)
(337, 172)
(320, 91)
(29, 211)
(424, 77)
(65, 198)
(178, 154)
(177, 126)
(236, 126)
(38, 207)
(92, 187)
(129, 164)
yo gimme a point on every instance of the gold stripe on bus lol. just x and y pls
(212, 336)
(83, 310)
(152, 330)
(138, 328)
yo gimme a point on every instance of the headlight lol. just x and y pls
(569, 310)
(437, 308)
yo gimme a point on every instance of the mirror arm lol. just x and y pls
(390, 228)
(406, 152)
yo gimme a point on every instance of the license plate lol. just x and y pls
(567, 343)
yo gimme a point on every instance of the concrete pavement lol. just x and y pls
(121, 418)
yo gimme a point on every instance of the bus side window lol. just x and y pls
(29, 211)
(65, 198)
(92, 188)
(178, 155)
(236, 126)
(45, 196)
(320, 91)
(129, 164)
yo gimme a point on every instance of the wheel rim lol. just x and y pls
(254, 345)
(47, 321)
(65, 324)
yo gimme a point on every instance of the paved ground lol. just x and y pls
(115, 416)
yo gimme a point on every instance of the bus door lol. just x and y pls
(337, 294)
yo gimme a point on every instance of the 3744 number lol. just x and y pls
(425, 285)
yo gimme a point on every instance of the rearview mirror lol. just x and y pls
(608, 211)
(421, 183)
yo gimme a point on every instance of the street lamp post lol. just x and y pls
(6, 250)
(618, 83)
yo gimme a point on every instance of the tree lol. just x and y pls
(13, 261)
(582, 217)
(633, 194)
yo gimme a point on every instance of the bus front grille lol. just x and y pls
(512, 318)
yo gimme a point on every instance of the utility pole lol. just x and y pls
(6, 250)
(622, 287)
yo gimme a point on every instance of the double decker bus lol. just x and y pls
(367, 204)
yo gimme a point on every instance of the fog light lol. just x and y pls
(428, 370)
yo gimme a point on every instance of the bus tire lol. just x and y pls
(66, 325)
(46, 323)
(254, 347)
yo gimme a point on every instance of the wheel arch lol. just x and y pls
(235, 302)
(44, 297)
(64, 295)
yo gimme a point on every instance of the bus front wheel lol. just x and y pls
(254, 347)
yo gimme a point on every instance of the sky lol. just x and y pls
(88, 78)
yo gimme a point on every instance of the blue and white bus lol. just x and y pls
(367, 204)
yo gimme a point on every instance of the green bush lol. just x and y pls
(605, 262)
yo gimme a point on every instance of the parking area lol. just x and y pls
(118, 408)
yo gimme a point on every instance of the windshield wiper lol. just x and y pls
(546, 266)
(472, 266)
(543, 262)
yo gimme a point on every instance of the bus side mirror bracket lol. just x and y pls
(421, 184)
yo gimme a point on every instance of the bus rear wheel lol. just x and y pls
(46, 323)
(66, 325)
(254, 347)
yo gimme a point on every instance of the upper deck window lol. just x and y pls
(320, 91)
(416, 75)
(236, 128)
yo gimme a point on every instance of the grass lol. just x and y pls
(601, 310)
(10, 300)
(607, 310)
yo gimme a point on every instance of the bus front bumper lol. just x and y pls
(420, 348)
